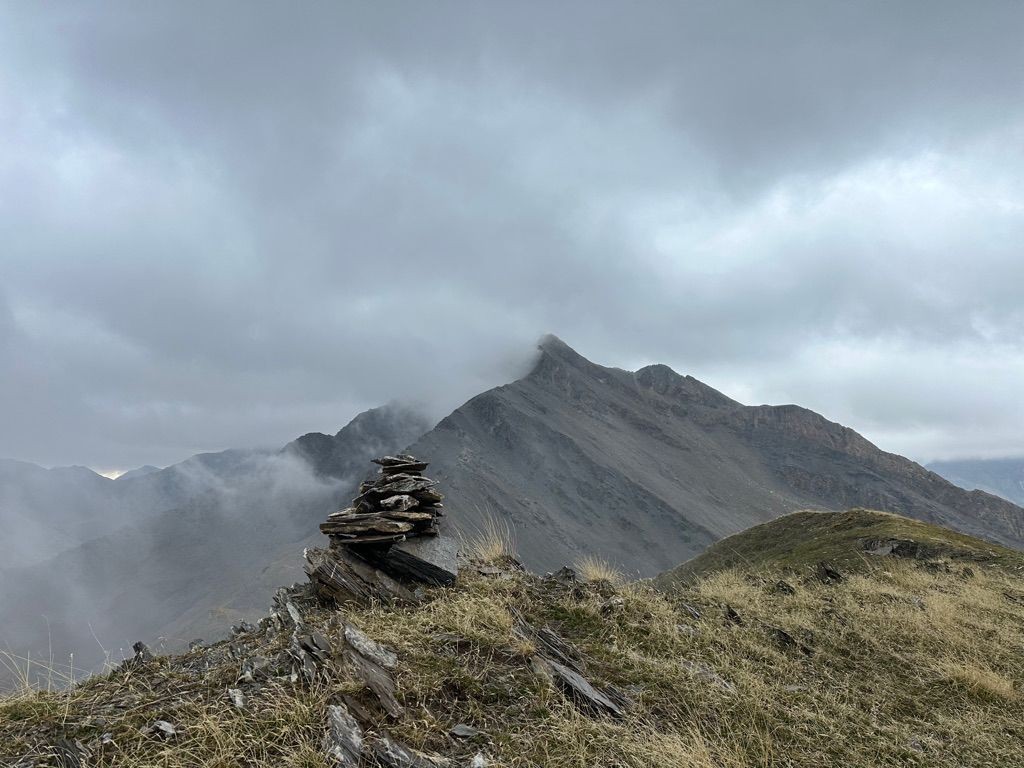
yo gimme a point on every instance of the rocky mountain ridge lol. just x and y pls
(647, 468)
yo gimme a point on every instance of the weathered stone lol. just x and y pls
(390, 461)
(142, 652)
(463, 731)
(687, 629)
(293, 613)
(400, 503)
(783, 588)
(552, 645)
(410, 468)
(254, 670)
(391, 526)
(492, 571)
(369, 648)
(238, 699)
(284, 613)
(344, 740)
(413, 516)
(789, 643)
(142, 655)
(376, 679)
(161, 729)
(378, 539)
(394, 485)
(310, 653)
(428, 496)
(829, 574)
(432, 560)
(900, 548)
(340, 577)
(393, 754)
(621, 698)
(564, 575)
(453, 641)
(365, 524)
(242, 628)
(577, 688)
(343, 513)
(879, 548)
(611, 605)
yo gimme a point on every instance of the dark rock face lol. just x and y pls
(646, 469)
(432, 560)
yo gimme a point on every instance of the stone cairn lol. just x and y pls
(389, 541)
(400, 504)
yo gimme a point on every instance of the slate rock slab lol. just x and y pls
(429, 559)
(578, 688)
(344, 740)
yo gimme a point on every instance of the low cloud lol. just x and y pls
(189, 552)
(225, 227)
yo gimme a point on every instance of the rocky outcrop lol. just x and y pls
(388, 542)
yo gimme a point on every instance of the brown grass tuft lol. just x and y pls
(490, 543)
(593, 568)
(980, 680)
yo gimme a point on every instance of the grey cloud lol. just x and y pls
(222, 222)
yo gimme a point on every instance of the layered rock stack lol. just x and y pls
(400, 504)
(389, 541)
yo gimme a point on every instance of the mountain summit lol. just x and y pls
(647, 468)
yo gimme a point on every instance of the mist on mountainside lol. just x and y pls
(168, 575)
(1003, 477)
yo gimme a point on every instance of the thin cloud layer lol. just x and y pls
(225, 226)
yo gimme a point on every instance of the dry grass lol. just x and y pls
(593, 568)
(895, 666)
(979, 680)
(491, 543)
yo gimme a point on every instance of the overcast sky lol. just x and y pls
(226, 224)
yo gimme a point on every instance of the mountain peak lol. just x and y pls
(552, 346)
(554, 355)
(376, 430)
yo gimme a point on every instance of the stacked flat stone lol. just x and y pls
(399, 504)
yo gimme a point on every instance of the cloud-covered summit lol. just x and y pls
(220, 222)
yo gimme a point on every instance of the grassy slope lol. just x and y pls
(910, 665)
(801, 540)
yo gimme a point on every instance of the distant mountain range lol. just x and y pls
(1002, 477)
(644, 469)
